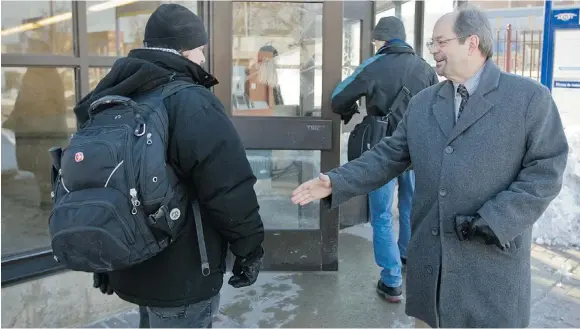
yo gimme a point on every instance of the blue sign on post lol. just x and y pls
(555, 19)
(560, 66)
(565, 17)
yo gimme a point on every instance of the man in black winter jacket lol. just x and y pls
(381, 79)
(206, 149)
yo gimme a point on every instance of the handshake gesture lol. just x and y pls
(312, 190)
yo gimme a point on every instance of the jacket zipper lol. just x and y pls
(133, 190)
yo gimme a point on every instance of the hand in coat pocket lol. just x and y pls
(469, 227)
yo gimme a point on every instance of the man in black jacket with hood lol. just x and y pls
(205, 147)
(381, 79)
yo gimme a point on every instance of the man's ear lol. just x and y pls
(473, 41)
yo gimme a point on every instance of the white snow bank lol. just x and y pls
(560, 224)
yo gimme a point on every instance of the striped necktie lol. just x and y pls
(462, 91)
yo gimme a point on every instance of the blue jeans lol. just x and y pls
(388, 252)
(197, 315)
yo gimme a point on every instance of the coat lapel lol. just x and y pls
(478, 105)
(443, 108)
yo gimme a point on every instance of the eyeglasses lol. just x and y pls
(439, 43)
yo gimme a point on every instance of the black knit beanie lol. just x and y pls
(389, 28)
(175, 27)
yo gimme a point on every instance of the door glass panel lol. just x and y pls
(277, 59)
(404, 10)
(279, 172)
(351, 50)
(351, 46)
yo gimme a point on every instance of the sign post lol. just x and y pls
(561, 60)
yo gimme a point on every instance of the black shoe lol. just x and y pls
(404, 261)
(392, 295)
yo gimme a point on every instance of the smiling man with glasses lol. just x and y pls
(489, 152)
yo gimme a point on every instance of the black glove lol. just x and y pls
(348, 116)
(246, 269)
(468, 227)
(101, 281)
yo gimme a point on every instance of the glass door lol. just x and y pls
(268, 57)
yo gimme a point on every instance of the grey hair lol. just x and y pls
(470, 21)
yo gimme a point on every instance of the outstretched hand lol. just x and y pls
(312, 190)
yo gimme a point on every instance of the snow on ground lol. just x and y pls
(271, 302)
(560, 224)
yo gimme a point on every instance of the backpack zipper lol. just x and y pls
(134, 200)
(113, 172)
(62, 181)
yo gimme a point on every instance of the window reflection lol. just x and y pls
(50, 21)
(96, 74)
(277, 58)
(278, 173)
(37, 114)
(116, 27)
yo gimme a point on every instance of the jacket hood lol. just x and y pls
(393, 43)
(141, 71)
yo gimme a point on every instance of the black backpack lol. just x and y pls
(373, 129)
(117, 202)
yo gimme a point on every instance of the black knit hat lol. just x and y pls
(389, 28)
(175, 27)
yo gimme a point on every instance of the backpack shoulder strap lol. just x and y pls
(404, 88)
(414, 72)
(155, 99)
(175, 86)
(168, 90)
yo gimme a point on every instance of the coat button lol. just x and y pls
(442, 192)
(429, 269)
(435, 231)
(449, 149)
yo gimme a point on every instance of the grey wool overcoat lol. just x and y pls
(503, 160)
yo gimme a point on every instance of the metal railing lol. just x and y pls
(519, 51)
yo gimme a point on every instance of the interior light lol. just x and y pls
(63, 17)
(109, 5)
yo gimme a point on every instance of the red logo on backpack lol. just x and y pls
(79, 156)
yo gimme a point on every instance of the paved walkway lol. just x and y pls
(347, 298)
